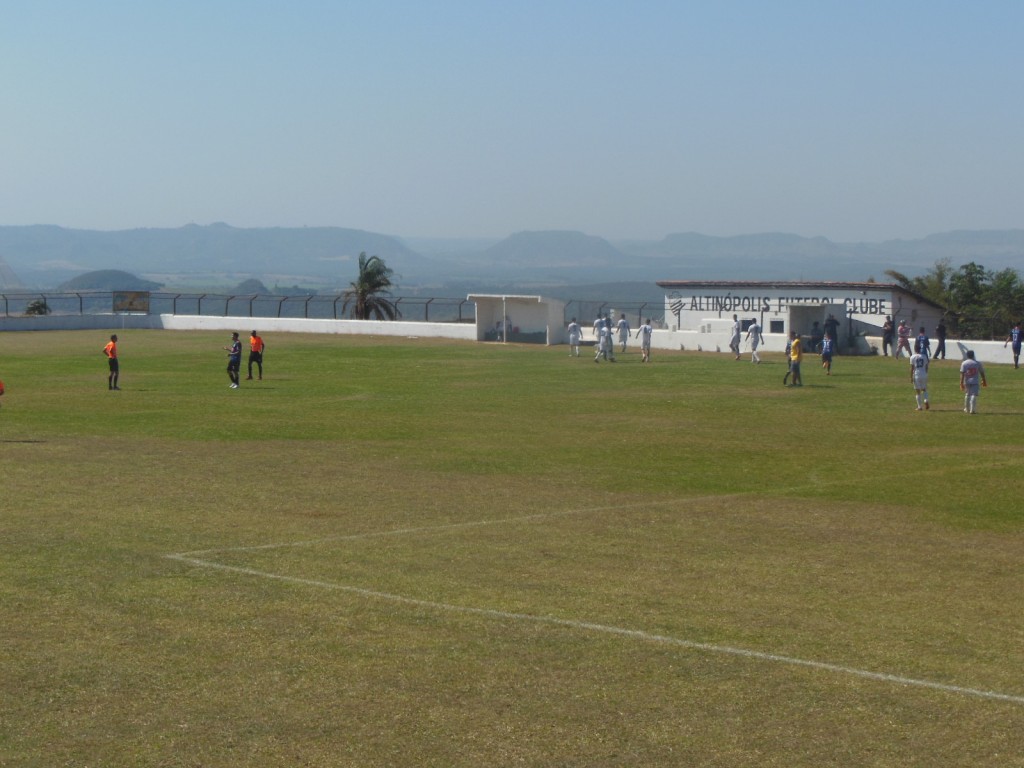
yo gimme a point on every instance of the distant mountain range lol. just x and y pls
(550, 262)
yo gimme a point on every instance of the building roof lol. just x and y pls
(786, 284)
(794, 285)
(504, 297)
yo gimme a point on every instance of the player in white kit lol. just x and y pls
(919, 378)
(575, 337)
(971, 373)
(644, 332)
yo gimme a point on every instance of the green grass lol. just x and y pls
(419, 552)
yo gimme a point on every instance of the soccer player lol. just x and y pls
(623, 328)
(796, 354)
(1015, 338)
(971, 372)
(575, 336)
(734, 341)
(110, 350)
(903, 339)
(919, 378)
(256, 347)
(234, 359)
(644, 332)
(605, 345)
(755, 337)
(922, 344)
(827, 347)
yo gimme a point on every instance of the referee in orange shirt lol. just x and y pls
(111, 352)
(255, 354)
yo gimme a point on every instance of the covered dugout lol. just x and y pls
(523, 319)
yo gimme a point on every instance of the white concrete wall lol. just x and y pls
(986, 351)
(717, 340)
(465, 331)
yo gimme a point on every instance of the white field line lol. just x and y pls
(634, 634)
(456, 526)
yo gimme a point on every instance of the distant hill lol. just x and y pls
(49, 255)
(776, 256)
(556, 250)
(545, 262)
(109, 280)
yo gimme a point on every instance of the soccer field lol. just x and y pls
(415, 552)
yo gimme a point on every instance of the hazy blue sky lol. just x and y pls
(852, 120)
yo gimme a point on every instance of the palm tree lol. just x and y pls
(368, 291)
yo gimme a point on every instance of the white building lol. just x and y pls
(701, 313)
(529, 319)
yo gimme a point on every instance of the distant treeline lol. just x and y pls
(980, 303)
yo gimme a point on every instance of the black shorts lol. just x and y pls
(112, 362)
(234, 363)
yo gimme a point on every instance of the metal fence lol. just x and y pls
(313, 306)
(318, 307)
(636, 312)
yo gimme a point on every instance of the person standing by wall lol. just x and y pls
(234, 359)
(887, 330)
(113, 365)
(256, 347)
(940, 340)
(1015, 338)
(919, 378)
(971, 373)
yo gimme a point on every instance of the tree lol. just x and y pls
(968, 294)
(932, 285)
(252, 285)
(37, 307)
(982, 303)
(369, 290)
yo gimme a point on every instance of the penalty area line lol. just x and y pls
(605, 629)
(456, 526)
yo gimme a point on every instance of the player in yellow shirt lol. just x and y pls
(796, 354)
